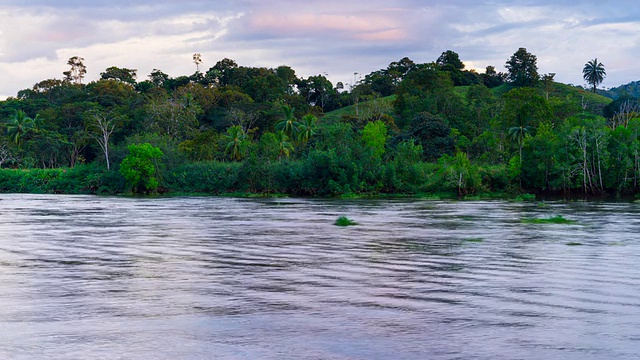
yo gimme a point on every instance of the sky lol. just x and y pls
(344, 39)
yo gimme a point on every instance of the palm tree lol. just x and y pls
(236, 141)
(19, 125)
(518, 134)
(289, 125)
(593, 73)
(284, 145)
(307, 128)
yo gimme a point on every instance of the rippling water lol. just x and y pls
(213, 278)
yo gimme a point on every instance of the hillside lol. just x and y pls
(336, 115)
(631, 89)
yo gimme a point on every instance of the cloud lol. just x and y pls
(337, 37)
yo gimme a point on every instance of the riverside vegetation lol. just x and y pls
(410, 128)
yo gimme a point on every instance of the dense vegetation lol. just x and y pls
(406, 129)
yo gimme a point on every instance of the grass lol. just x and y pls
(345, 221)
(558, 219)
(336, 115)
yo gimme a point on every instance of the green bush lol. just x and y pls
(140, 168)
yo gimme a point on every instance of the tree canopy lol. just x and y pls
(523, 68)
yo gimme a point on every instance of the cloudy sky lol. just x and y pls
(338, 38)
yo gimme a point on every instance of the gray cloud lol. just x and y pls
(337, 37)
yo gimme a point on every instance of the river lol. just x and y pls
(86, 277)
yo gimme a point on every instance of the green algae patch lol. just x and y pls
(573, 243)
(344, 221)
(558, 219)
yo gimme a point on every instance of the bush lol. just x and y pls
(140, 168)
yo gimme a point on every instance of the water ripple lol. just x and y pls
(90, 277)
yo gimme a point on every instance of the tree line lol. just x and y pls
(408, 128)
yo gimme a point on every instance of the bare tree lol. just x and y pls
(628, 110)
(6, 154)
(101, 126)
(245, 120)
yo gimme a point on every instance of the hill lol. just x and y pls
(631, 89)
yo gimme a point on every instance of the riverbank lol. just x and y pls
(233, 180)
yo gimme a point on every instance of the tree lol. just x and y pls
(197, 59)
(491, 78)
(374, 136)
(140, 167)
(19, 125)
(221, 72)
(101, 126)
(77, 71)
(158, 78)
(518, 134)
(433, 133)
(523, 70)
(284, 145)
(547, 80)
(594, 73)
(307, 128)
(125, 75)
(289, 125)
(176, 118)
(236, 140)
(450, 60)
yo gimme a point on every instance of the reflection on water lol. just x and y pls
(199, 278)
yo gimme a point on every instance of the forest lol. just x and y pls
(411, 129)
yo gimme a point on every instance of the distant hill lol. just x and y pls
(631, 89)
(577, 95)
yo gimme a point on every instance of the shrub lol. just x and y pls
(140, 167)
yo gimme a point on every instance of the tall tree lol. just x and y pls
(523, 68)
(102, 126)
(197, 59)
(594, 73)
(77, 71)
(450, 60)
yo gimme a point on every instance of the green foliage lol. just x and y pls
(289, 125)
(139, 168)
(523, 68)
(82, 179)
(525, 197)
(433, 133)
(457, 173)
(427, 90)
(407, 129)
(19, 125)
(374, 136)
(204, 177)
(236, 142)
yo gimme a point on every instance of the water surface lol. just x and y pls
(214, 278)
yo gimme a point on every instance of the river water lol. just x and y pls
(85, 277)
